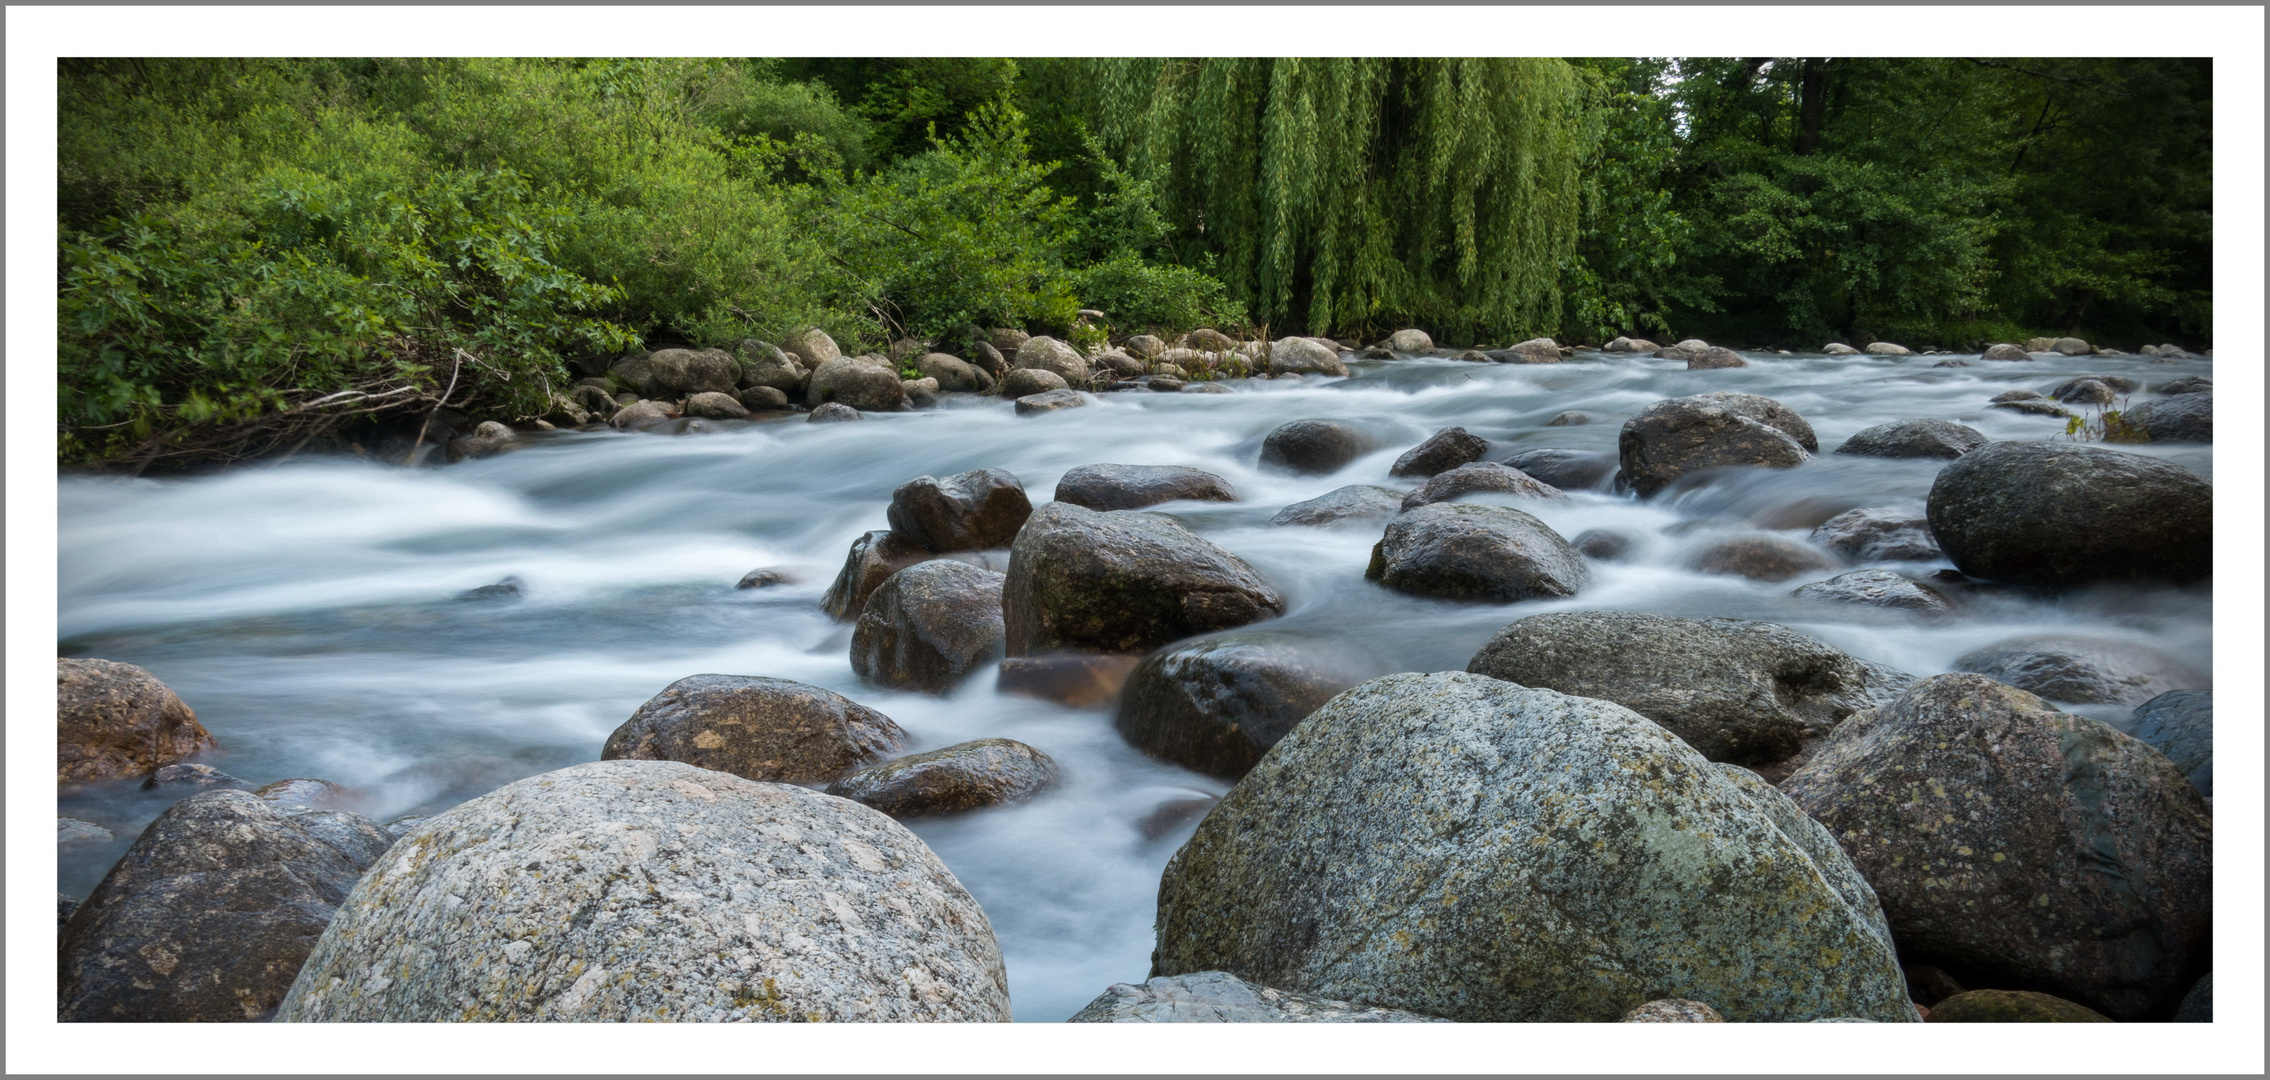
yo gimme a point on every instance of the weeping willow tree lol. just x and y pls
(1342, 193)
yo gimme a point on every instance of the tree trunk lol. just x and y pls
(1812, 94)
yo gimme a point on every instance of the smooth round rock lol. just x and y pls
(954, 373)
(1354, 504)
(1216, 704)
(1876, 588)
(964, 776)
(2189, 384)
(1218, 997)
(1132, 487)
(1457, 846)
(1606, 545)
(1469, 551)
(70, 831)
(1762, 558)
(811, 347)
(1052, 356)
(1476, 477)
(2012, 1007)
(1313, 447)
(756, 727)
(1569, 418)
(1052, 401)
(1409, 341)
(972, 511)
(763, 399)
(683, 372)
(1918, 437)
(873, 558)
(189, 777)
(1444, 450)
(1542, 350)
(1715, 357)
(116, 720)
(1879, 533)
(765, 365)
(1838, 348)
(1672, 438)
(1025, 382)
(1123, 582)
(928, 626)
(1304, 356)
(2058, 514)
(302, 791)
(833, 412)
(2082, 670)
(2181, 724)
(2022, 843)
(2005, 352)
(865, 383)
(2083, 392)
(2185, 418)
(1885, 348)
(1673, 1011)
(1568, 470)
(653, 891)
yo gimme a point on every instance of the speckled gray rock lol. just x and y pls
(872, 560)
(2034, 405)
(1763, 557)
(1672, 438)
(755, 727)
(1409, 341)
(1604, 545)
(971, 511)
(681, 372)
(1311, 446)
(965, 776)
(2083, 670)
(1885, 348)
(208, 916)
(2188, 417)
(1715, 357)
(1876, 588)
(302, 791)
(1127, 581)
(2083, 392)
(1879, 533)
(1456, 846)
(1445, 449)
(954, 373)
(1354, 504)
(2005, 352)
(832, 412)
(766, 365)
(653, 891)
(811, 347)
(1132, 487)
(712, 405)
(2189, 384)
(1026, 382)
(1673, 1011)
(2022, 843)
(1006, 340)
(1623, 344)
(1566, 469)
(186, 777)
(71, 830)
(2071, 346)
(1542, 350)
(1304, 356)
(865, 383)
(2059, 514)
(115, 720)
(1216, 704)
(763, 399)
(1053, 356)
(1735, 690)
(1917, 437)
(1469, 551)
(2181, 724)
(1218, 997)
(1051, 401)
(1479, 476)
(928, 626)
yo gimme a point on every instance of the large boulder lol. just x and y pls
(1053, 356)
(1025, 382)
(2059, 514)
(1457, 846)
(1123, 582)
(865, 383)
(1132, 487)
(1738, 691)
(811, 348)
(1355, 503)
(1838, 348)
(2082, 670)
(2005, 352)
(1479, 476)
(1918, 437)
(1879, 534)
(971, 511)
(2028, 845)
(2187, 417)
(1218, 997)
(1311, 446)
(1216, 704)
(682, 372)
(928, 626)
(2181, 724)
(764, 364)
(1444, 450)
(1409, 341)
(652, 891)
(964, 776)
(1672, 438)
(211, 912)
(1470, 551)
(755, 727)
(873, 558)
(116, 720)
(1566, 469)
(954, 373)
(1304, 356)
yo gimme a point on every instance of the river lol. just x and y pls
(308, 611)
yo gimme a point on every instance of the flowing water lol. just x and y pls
(309, 611)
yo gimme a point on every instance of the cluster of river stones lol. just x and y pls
(1607, 816)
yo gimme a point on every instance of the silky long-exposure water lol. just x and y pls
(309, 611)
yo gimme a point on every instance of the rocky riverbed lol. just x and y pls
(1312, 682)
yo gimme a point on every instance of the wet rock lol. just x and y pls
(1568, 470)
(927, 626)
(2012, 1007)
(2181, 724)
(2189, 417)
(1479, 476)
(1354, 503)
(682, 372)
(1568, 418)
(1735, 690)
(510, 588)
(811, 348)
(1053, 356)
(362, 839)
(303, 791)
(402, 826)
(1762, 558)
(188, 778)
(973, 511)
(70, 831)
(1879, 534)
(1132, 487)
(1026, 382)
(1467, 551)
(1927, 984)
(1304, 356)
(1218, 997)
(764, 578)
(1673, 1011)
(920, 393)
(1952, 363)
(2082, 670)
(1622, 344)
(207, 917)
(2199, 1005)
(865, 383)
(1671, 438)
(1885, 348)
(1145, 346)
(1165, 385)
(2032, 406)
(1121, 364)
(2071, 346)
(873, 558)
(954, 373)
(763, 399)
(1052, 401)
(1311, 446)
(1207, 388)
(765, 365)
(1838, 348)
(1215, 705)
(1078, 680)
(755, 727)
(716, 406)
(2083, 392)
(2015, 395)
(704, 898)
(1460, 847)
(2022, 843)
(2005, 352)
(986, 358)
(2057, 515)
(1917, 437)
(1606, 545)
(965, 776)
(1409, 341)
(1715, 357)
(116, 720)
(832, 412)
(1445, 449)
(640, 415)
(1877, 588)
(1542, 350)
(1123, 582)
(2189, 384)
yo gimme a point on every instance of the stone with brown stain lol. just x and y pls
(964, 776)
(756, 727)
(116, 720)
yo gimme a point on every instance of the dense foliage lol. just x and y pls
(250, 250)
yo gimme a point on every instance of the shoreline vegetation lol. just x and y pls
(258, 257)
